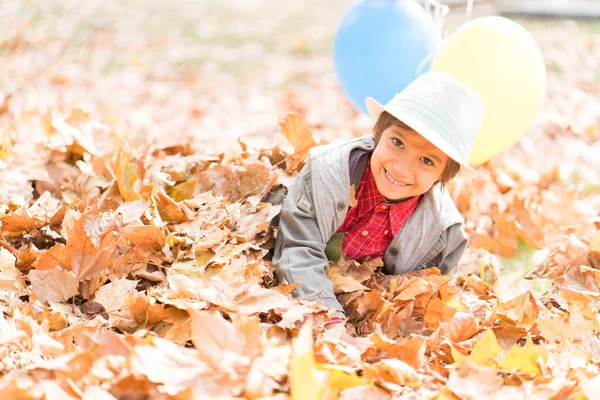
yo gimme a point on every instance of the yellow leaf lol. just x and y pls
(183, 191)
(524, 359)
(486, 349)
(457, 304)
(458, 357)
(303, 367)
(340, 379)
(483, 352)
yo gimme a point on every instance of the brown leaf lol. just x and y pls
(353, 202)
(343, 284)
(392, 374)
(413, 288)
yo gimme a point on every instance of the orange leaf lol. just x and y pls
(437, 311)
(144, 309)
(297, 132)
(594, 253)
(129, 177)
(521, 310)
(461, 327)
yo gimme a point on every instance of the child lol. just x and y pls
(420, 140)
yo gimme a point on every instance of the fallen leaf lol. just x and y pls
(343, 284)
(113, 295)
(524, 359)
(54, 285)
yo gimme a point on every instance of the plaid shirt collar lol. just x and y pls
(369, 197)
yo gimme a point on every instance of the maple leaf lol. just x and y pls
(521, 310)
(129, 177)
(10, 276)
(113, 296)
(173, 367)
(169, 210)
(594, 253)
(300, 137)
(56, 284)
(144, 309)
(297, 133)
(218, 342)
(392, 374)
(525, 359)
(437, 311)
(81, 254)
(462, 326)
(484, 351)
(307, 382)
(343, 283)
(472, 381)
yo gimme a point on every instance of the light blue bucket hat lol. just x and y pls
(441, 109)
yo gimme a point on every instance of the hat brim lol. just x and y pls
(374, 108)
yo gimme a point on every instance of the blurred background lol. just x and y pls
(215, 70)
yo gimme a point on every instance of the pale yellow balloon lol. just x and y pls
(500, 61)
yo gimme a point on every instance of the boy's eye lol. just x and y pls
(397, 142)
(427, 161)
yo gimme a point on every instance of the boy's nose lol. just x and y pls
(404, 168)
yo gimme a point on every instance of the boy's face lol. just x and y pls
(405, 164)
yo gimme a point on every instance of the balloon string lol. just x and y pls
(439, 12)
(469, 10)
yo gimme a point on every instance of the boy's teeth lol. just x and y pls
(395, 182)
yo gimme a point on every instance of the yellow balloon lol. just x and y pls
(500, 61)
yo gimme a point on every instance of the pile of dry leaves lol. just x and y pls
(141, 273)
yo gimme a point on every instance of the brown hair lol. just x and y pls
(386, 119)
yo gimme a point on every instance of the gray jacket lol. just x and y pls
(316, 205)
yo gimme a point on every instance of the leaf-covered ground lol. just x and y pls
(132, 256)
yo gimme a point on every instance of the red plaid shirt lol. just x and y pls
(374, 222)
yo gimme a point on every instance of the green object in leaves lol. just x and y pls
(333, 250)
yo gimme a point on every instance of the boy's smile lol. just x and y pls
(405, 164)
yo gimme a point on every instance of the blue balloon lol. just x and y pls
(381, 46)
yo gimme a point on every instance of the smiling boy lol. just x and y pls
(403, 213)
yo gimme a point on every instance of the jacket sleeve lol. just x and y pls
(299, 255)
(456, 242)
